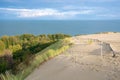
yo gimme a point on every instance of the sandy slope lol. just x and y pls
(83, 61)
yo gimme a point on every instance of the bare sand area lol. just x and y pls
(83, 60)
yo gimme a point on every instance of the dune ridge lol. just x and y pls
(83, 61)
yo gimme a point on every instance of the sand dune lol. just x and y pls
(83, 61)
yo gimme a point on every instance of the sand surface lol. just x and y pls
(83, 61)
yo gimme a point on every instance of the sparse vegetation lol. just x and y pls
(90, 41)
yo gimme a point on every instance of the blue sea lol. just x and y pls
(72, 27)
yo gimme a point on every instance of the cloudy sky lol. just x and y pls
(60, 9)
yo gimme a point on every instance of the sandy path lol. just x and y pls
(81, 62)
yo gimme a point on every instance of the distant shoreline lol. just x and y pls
(71, 27)
(63, 33)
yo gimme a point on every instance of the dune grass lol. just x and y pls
(46, 54)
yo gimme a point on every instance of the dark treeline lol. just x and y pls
(17, 49)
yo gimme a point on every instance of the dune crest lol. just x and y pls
(83, 61)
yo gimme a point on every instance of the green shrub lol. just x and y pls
(49, 52)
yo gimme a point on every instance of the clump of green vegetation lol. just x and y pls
(90, 41)
(20, 52)
(48, 53)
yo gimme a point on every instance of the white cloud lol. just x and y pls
(66, 12)
(71, 7)
(107, 15)
(26, 13)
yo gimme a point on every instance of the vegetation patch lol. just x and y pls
(26, 62)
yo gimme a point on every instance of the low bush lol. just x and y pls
(48, 53)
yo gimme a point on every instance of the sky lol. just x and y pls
(59, 9)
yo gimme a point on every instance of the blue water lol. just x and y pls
(49, 27)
